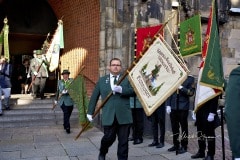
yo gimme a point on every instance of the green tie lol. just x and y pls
(115, 80)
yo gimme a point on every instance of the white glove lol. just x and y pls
(117, 89)
(194, 116)
(28, 75)
(210, 117)
(64, 91)
(44, 58)
(168, 109)
(55, 102)
(236, 158)
(35, 73)
(180, 87)
(89, 117)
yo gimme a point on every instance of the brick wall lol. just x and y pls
(81, 27)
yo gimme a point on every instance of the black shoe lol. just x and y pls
(209, 158)
(182, 150)
(198, 155)
(8, 108)
(130, 139)
(1, 114)
(154, 143)
(68, 130)
(173, 148)
(137, 141)
(160, 145)
(101, 157)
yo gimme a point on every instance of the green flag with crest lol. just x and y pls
(190, 36)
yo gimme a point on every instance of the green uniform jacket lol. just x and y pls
(117, 105)
(63, 97)
(232, 111)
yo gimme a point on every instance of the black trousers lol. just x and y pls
(179, 118)
(40, 83)
(205, 132)
(110, 133)
(67, 111)
(208, 136)
(138, 122)
(158, 122)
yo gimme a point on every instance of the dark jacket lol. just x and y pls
(183, 96)
(204, 110)
(5, 76)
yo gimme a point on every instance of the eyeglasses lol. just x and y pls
(115, 65)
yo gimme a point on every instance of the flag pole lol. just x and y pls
(220, 106)
(124, 76)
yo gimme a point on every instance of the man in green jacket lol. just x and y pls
(232, 111)
(116, 113)
(64, 100)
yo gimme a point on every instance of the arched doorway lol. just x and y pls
(29, 23)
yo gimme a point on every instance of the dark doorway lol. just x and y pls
(29, 22)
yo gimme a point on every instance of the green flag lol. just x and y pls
(190, 36)
(78, 93)
(5, 39)
(212, 75)
(1, 42)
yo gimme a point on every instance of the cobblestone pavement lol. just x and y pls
(53, 143)
(193, 144)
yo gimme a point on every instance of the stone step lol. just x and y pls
(34, 114)
(37, 123)
(28, 112)
(28, 100)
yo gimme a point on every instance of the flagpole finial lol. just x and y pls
(60, 22)
(175, 4)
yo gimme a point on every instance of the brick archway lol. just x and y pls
(81, 23)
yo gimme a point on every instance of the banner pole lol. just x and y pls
(123, 77)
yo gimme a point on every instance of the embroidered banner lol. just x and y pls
(156, 76)
(144, 36)
(190, 36)
(211, 77)
(55, 46)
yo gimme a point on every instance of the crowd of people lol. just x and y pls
(123, 113)
(31, 77)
